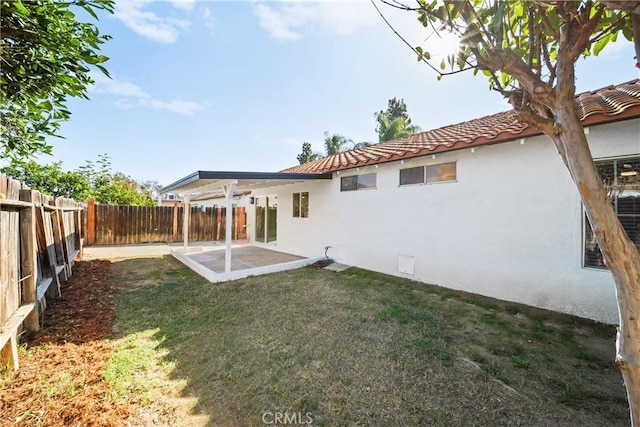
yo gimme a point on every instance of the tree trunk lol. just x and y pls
(619, 253)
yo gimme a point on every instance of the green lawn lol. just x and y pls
(351, 348)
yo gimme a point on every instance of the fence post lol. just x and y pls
(29, 267)
(91, 222)
(59, 239)
(78, 217)
(64, 236)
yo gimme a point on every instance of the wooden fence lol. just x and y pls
(40, 238)
(122, 225)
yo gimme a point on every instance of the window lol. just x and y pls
(412, 176)
(621, 178)
(358, 182)
(442, 172)
(301, 205)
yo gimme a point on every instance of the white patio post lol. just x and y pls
(185, 222)
(228, 193)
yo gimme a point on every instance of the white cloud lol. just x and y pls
(148, 24)
(130, 95)
(209, 19)
(279, 24)
(295, 19)
(183, 4)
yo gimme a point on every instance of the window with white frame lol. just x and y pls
(301, 205)
(358, 182)
(621, 178)
(442, 172)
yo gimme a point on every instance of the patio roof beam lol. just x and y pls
(210, 186)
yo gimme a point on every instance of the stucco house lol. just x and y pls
(485, 206)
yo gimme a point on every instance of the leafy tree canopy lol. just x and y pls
(394, 122)
(334, 144)
(50, 179)
(307, 155)
(45, 55)
(94, 179)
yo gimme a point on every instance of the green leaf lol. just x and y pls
(20, 8)
(52, 56)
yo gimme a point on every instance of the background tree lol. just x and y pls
(121, 189)
(115, 188)
(395, 128)
(334, 144)
(361, 145)
(94, 179)
(45, 54)
(307, 155)
(528, 51)
(151, 187)
(50, 179)
(394, 122)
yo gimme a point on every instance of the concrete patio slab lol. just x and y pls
(246, 260)
(242, 257)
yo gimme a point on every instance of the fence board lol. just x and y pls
(36, 234)
(118, 225)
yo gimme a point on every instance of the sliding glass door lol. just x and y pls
(266, 219)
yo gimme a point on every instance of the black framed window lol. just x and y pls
(442, 172)
(301, 205)
(358, 182)
(621, 178)
(412, 176)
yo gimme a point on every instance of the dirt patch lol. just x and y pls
(60, 381)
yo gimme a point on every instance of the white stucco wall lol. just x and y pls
(510, 227)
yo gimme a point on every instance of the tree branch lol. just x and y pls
(440, 73)
(17, 33)
(547, 60)
(546, 23)
(401, 6)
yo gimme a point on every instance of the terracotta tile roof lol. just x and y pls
(604, 105)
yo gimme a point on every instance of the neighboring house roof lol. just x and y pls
(609, 104)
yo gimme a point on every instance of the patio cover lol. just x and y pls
(228, 183)
(208, 181)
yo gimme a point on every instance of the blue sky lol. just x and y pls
(240, 85)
